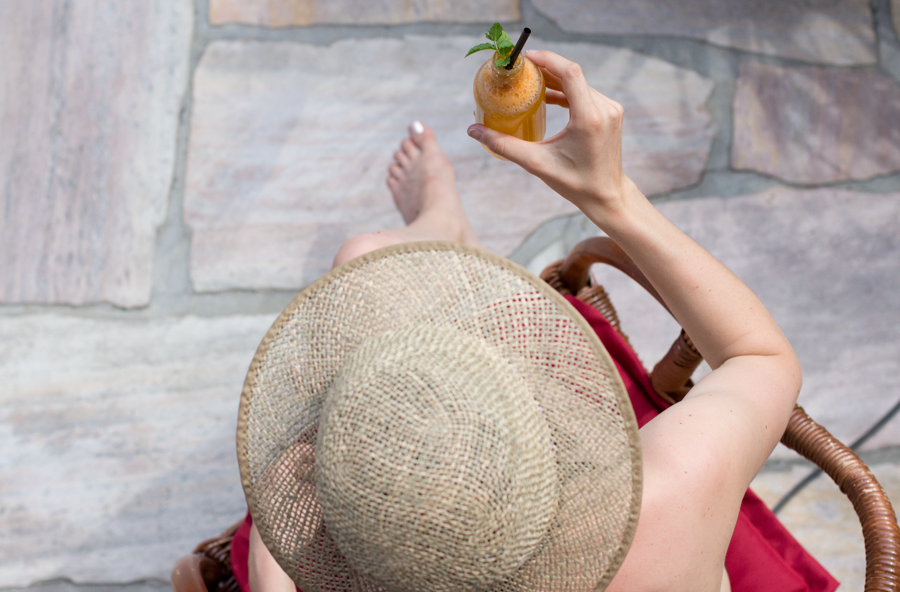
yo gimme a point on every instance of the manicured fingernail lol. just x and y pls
(475, 133)
(417, 127)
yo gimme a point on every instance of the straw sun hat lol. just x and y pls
(431, 417)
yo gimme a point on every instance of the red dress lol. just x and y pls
(762, 556)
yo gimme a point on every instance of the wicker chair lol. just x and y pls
(208, 569)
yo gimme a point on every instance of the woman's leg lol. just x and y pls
(424, 188)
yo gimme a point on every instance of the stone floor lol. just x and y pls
(174, 172)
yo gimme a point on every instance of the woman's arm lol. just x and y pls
(700, 455)
(265, 574)
(728, 324)
(751, 359)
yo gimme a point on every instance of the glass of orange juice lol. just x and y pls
(511, 101)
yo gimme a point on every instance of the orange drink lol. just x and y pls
(511, 101)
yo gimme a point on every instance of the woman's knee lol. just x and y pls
(362, 244)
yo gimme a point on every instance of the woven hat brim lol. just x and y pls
(570, 371)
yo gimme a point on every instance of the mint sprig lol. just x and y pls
(500, 42)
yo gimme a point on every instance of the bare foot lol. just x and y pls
(424, 187)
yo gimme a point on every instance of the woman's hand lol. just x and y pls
(583, 162)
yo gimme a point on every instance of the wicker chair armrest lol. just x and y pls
(195, 573)
(208, 568)
(856, 481)
(671, 377)
(574, 272)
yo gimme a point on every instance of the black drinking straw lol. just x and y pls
(518, 48)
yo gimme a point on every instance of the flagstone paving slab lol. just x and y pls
(895, 13)
(61, 585)
(825, 263)
(89, 104)
(772, 485)
(118, 440)
(887, 435)
(815, 125)
(816, 31)
(294, 13)
(823, 520)
(290, 144)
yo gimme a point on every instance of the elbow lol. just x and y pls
(786, 365)
(787, 371)
(794, 373)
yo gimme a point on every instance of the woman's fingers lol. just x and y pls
(554, 97)
(550, 80)
(571, 80)
(527, 155)
(563, 78)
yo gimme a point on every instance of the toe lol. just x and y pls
(409, 148)
(396, 171)
(422, 135)
(401, 158)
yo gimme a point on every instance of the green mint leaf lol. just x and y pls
(480, 47)
(495, 33)
(505, 46)
(502, 62)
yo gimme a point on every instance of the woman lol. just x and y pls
(707, 448)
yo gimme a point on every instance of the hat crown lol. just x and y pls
(541, 340)
(435, 465)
